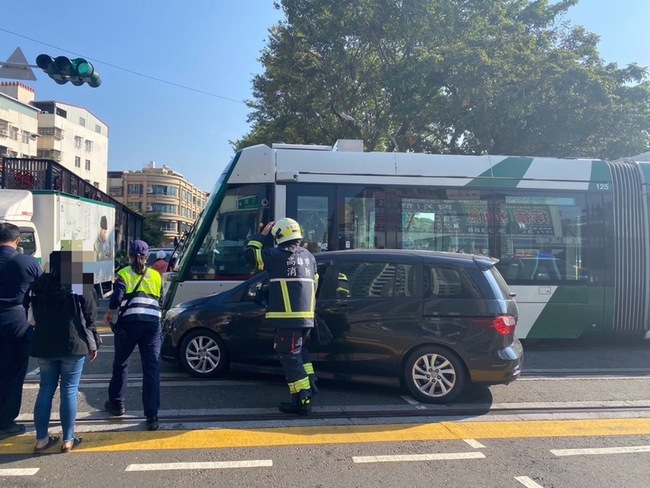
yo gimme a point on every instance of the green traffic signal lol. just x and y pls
(62, 69)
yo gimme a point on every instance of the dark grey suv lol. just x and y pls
(430, 321)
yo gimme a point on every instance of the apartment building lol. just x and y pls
(75, 138)
(18, 121)
(162, 191)
(70, 135)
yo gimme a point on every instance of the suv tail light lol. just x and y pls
(504, 324)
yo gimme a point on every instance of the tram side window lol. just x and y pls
(541, 237)
(436, 219)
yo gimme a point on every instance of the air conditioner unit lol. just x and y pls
(149, 208)
(149, 190)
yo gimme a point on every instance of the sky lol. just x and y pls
(175, 73)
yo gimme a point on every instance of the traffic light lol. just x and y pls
(62, 69)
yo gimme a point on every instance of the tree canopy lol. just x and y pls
(446, 76)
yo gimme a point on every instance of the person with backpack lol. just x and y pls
(137, 292)
(63, 309)
(17, 272)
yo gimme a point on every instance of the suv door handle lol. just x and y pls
(338, 308)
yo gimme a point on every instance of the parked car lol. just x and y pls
(430, 321)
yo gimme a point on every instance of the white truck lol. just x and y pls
(50, 220)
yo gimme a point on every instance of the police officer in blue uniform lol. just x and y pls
(292, 294)
(18, 271)
(137, 293)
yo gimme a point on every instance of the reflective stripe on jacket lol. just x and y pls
(145, 303)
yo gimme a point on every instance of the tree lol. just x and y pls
(463, 76)
(152, 232)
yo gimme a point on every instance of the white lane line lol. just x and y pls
(418, 457)
(210, 465)
(527, 482)
(474, 443)
(600, 450)
(413, 401)
(19, 472)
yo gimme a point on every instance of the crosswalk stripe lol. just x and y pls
(600, 450)
(418, 457)
(527, 482)
(19, 472)
(208, 465)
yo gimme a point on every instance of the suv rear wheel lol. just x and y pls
(433, 374)
(203, 354)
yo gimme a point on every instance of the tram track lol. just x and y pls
(398, 413)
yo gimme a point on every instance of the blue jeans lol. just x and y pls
(146, 335)
(69, 370)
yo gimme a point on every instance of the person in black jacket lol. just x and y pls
(292, 295)
(17, 272)
(63, 306)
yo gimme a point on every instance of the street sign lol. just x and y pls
(16, 67)
(247, 203)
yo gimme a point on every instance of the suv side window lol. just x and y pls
(378, 279)
(448, 282)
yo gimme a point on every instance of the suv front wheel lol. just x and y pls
(433, 374)
(203, 354)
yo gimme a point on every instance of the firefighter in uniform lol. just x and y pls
(137, 293)
(292, 294)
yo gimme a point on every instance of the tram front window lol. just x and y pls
(221, 254)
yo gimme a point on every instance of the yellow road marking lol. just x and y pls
(289, 436)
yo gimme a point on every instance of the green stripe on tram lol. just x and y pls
(601, 177)
(505, 174)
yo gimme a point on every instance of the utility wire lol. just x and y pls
(125, 69)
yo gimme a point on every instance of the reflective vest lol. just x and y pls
(144, 304)
(292, 282)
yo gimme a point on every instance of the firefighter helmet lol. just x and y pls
(286, 229)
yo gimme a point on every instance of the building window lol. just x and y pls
(88, 164)
(13, 133)
(163, 208)
(98, 128)
(77, 141)
(82, 122)
(25, 137)
(77, 162)
(170, 191)
(134, 189)
(169, 226)
(89, 145)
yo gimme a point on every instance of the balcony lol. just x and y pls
(50, 154)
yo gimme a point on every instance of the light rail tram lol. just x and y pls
(571, 235)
